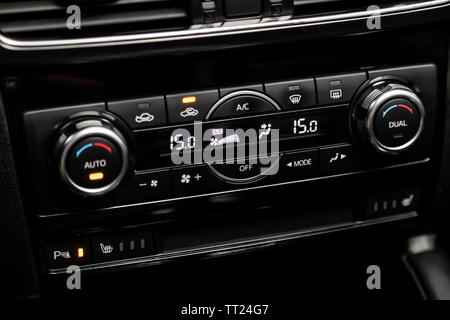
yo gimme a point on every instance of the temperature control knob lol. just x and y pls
(389, 115)
(91, 156)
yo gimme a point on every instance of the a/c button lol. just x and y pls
(242, 105)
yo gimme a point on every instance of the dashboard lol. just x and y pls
(212, 149)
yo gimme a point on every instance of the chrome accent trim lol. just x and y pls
(235, 246)
(200, 32)
(216, 106)
(383, 98)
(131, 205)
(86, 133)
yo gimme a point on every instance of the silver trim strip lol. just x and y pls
(240, 189)
(199, 32)
(239, 245)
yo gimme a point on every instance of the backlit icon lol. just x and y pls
(243, 107)
(265, 130)
(232, 138)
(198, 177)
(144, 117)
(154, 183)
(185, 178)
(106, 249)
(62, 254)
(295, 98)
(191, 99)
(406, 202)
(80, 252)
(338, 156)
(189, 112)
(217, 131)
(336, 94)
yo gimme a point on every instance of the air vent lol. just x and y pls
(309, 8)
(46, 19)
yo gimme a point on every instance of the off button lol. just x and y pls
(93, 163)
(396, 123)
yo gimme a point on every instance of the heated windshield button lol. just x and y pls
(293, 94)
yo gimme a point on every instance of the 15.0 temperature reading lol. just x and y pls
(302, 126)
(177, 143)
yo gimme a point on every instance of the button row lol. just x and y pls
(196, 180)
(194, 106)
(100, 248)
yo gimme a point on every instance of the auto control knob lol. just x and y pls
(91, 156)
(389, 115)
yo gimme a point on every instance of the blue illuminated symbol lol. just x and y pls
(399, 106)
(389, 109)
(83, 148)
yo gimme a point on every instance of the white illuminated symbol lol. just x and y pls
(185, 178)
(336, 94)
(144, 117)
(265, 130)
(154, 183)
(197, 177)
(63, 254)
(106, 249)
(242, 107)
(295, 98)
(217, 131)
(406, 202)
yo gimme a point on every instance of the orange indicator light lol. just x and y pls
(191, 99)
(80, 252)
(96, 176)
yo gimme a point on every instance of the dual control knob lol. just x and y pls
(91, 156)
(388, 115)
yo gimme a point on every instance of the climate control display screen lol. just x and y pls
(277, 132)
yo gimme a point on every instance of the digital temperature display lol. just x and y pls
(302, 126)
(294, 130)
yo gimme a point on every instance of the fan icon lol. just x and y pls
(185, 178)
(154, 183)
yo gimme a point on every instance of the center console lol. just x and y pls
(350, 139)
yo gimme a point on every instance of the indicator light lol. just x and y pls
(80, 252)
(191, 99)
(96, 176)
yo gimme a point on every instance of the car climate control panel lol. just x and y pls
(173, 146)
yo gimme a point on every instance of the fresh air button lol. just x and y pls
(194, 180)
(94, 163)
(396, 123)
(293, 94)
(337, 159)
(147, 187)
(338, 88)
(141, 113)
(190, 106)
(63, 254)
(298, 165)
(242, 105)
